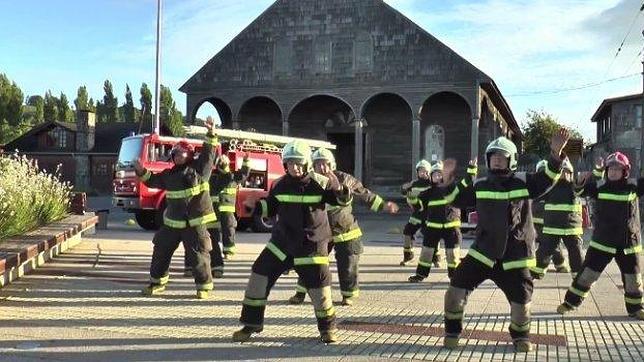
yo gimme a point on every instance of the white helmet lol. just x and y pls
(437, 167)
(297, 150)
(223, 162)
(325, 155)
(423, 164)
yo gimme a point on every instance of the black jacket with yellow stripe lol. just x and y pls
(439, 213)
(617, 217)
(344, 225)
(187, 189)
(224, 185)
(505, 231)
(562, 210)
(300, 207)
(411, 192)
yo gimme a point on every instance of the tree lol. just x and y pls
(91, 106)
(10, 102)
(129, 111)
(110, 103)
(539, 126)
(146, 104)
(38, 104)
(81, 103)
(169, 115)
(65, 114)
(50, 108)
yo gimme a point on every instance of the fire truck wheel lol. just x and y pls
(243, 224)
(262, 224)
(147, 219)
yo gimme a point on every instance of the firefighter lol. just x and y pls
(299, 239)
(442, 221)
(223, 194)
(411, 190)
(504, 247)
(561, 264)
(188, 210)
(346, 232)
(616, 234)
(562, 221)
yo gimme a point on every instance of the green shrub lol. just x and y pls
(29, 197)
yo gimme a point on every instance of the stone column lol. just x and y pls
(415, 146)
(357, 171)
(284, 127)
(474, 149)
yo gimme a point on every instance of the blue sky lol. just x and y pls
(527, 46)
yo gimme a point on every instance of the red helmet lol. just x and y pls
(183, 146)
(619, 159)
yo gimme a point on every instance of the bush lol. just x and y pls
(29, 197)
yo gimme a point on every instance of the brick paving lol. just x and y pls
(76, 309)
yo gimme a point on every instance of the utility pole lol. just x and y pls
(642, 115)
(157, 85)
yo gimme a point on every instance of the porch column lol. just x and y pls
(415, 146)
(284, 127)
(357, 170)
(474, 149)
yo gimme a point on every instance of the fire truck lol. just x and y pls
(147, 204)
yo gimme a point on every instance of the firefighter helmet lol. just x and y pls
(437, 167)
(423, 164)
(505, 147)
(324, 155)
(223, 162)
(619, 158)
(297, 150)
(183, 146)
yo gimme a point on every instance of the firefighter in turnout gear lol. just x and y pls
(442, 221)
(561, 264)
(223, 194)
(300, 239)
(411, 190)
(503, 250)
(346, 232)
(188, 210)
(616, 234)
(562, 221)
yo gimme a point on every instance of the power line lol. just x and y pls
(561, 90)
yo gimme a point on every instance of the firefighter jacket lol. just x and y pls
(439, 213)
(617, 217)
(343, 224)
(537, 211)
(505, 231)
(300, 207)
(411, 192)
(562, 210)
(224, 185)
(187, 189)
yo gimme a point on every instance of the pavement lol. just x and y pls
(86, 305)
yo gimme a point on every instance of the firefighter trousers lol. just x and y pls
(548, 245)
(558, 258)
(197, 245)
(452, 238)
(312, 268)
(216, 259)
(228, 224)
(347, 257)
(594, 264)
(516, 284)
(409, 232)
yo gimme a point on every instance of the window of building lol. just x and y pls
(101, 169)
(58, 138)
(363, 53)
(638, 115)
(322, 56)
(282, 56)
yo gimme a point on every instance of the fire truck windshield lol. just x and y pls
(130, 150)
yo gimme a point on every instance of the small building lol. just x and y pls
(359, 74)
(619, 128)
(86, 152)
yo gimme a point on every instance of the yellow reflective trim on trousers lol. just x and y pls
(453, 315)
(212, 217)
(299, 199)
(214, 199)
(162, 280)
(496, 195)
(325, 313)
(480, 257)
(424, 263)
(615, 197)
(520, 328)
(190, 192)
(254, 302)
(205, 286)
(230, 249)
(518, 264)
(276, 251)
(414, 221)
(553, 175)
(634, 250)
(561, 231)
(300, 289)
(376, 203)
(226, 208)
(604, 248)
(350, 293)
(537, 220)
(350, 235)
(633, 300)
(578, 292)
(264, 205)
(447, 225)
(312, 260)
(229, 191)
(213, 225)
(563, 207)
(175, 224)
(146, 175)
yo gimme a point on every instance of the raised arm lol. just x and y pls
(241, 175)
(541, 182)
(203, 164)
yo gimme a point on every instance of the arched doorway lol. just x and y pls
(388, 155)
(328, 118)
(215, 107)
(261, 114)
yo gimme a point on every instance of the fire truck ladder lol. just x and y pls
(253, 139)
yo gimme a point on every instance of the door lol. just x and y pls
(434, 143)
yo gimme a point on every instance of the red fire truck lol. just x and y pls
(148, 204)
